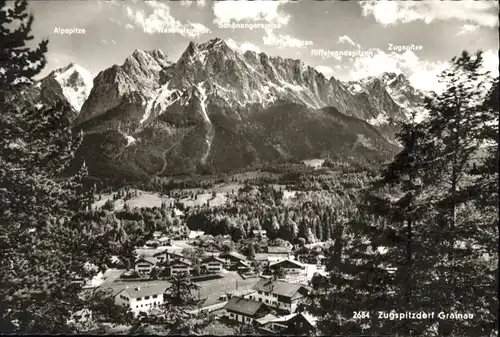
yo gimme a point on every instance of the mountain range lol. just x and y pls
(218, 110)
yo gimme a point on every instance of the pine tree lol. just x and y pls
(484, 193)
(455, 126)
(181, 292)
(393, 207)
(357, 280)
(42, 249)
(251, 252)
(419, 240)
(18, 62)
(487, 166)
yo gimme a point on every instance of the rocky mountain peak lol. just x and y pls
(393, 80)
(141, 72)
(72, 83)
(196, 110)
(158, 54)
(146, 59)
(395, 86)
(216, 43)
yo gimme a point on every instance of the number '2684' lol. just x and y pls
(361, 314)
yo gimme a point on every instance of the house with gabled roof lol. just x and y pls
(302, 323)
(282, 252)
(245, 310)
(164, 241)
(167, 255)
(140, 298)
(144, 265)
(273, 323)
(213, 264)
(241, 266)
(178, 266)
(284, 296)
(263, 259)
(292, 324)
(232, 258)
(289, 266)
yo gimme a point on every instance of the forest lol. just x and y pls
(418, 234)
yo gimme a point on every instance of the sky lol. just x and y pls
(345, 39)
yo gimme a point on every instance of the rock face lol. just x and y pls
(217, 110)
(140, 73)
(72, 82)
(391, 95)
(70, 85)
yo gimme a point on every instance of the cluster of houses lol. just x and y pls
(158, 254)
(266, 319)
(172, 263)
(168, 262)
(271, 306)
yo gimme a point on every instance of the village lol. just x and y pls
(264, 290)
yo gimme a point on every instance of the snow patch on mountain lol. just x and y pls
(210, 132)
(76, 84)
(198, 55)
(203, 99)
(130, 140)
(355, 88)
(363, 140)
(160, 100)
(268, 97)
(381, 119)
(148, 109)
(165, 98)
(293, 87)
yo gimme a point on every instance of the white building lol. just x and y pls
(179, 266)
(278, 253)
(96, 281)
(232, 258)
(213, 264)
(152, 244)
(141, 298)
(195, 234)
(281, 295)
(289, 266)
(164, 241)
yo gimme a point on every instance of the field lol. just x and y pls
(210, 289)
(316, 163)
(202, 199)
(177, 246)
(203, 196)
(231, 281)
(252, 175)
(148, 199)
